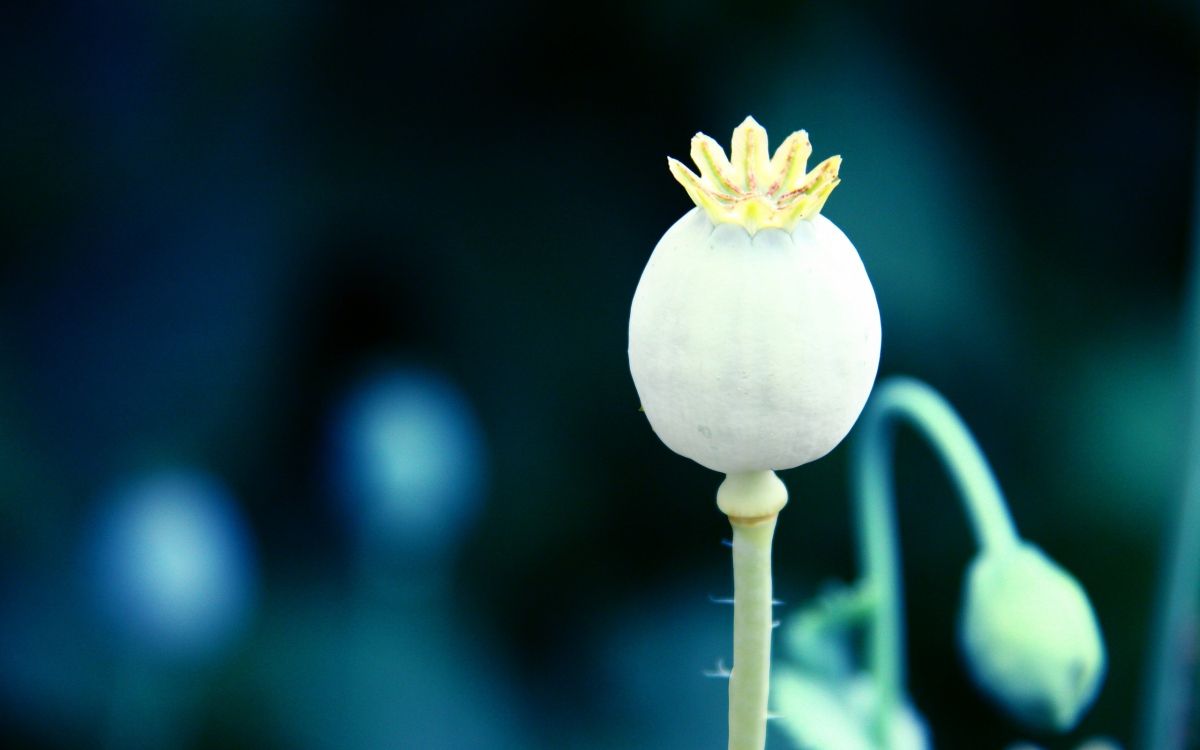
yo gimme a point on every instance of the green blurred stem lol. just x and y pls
(1169, 684)
(908, 400)
(752, 624)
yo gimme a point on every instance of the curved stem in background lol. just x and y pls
(909, 400)
(1174, 634)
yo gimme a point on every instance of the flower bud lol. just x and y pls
(1030, 637)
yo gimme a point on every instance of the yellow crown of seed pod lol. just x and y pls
(754, 333)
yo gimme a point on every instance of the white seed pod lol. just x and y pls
(754, 333)
(1030, 637)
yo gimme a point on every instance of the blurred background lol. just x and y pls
(316, 426)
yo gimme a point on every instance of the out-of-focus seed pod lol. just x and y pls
(1030, 637)
(838, 714)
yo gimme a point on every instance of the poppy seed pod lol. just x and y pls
(1030, 637)
(754, 333)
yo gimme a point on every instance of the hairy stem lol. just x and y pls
(905, 399)
(749, 681)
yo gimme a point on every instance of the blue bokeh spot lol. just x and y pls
(409, 460)
(171, 564)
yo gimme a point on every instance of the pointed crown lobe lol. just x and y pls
(753, 188)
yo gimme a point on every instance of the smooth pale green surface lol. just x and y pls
(1030, 637)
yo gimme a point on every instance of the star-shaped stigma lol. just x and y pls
(752, 188)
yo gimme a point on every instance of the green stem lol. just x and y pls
(752, 501)
(1164, 720)
(749, 681)
(905, 399)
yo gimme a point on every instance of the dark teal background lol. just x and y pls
(216, 218)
